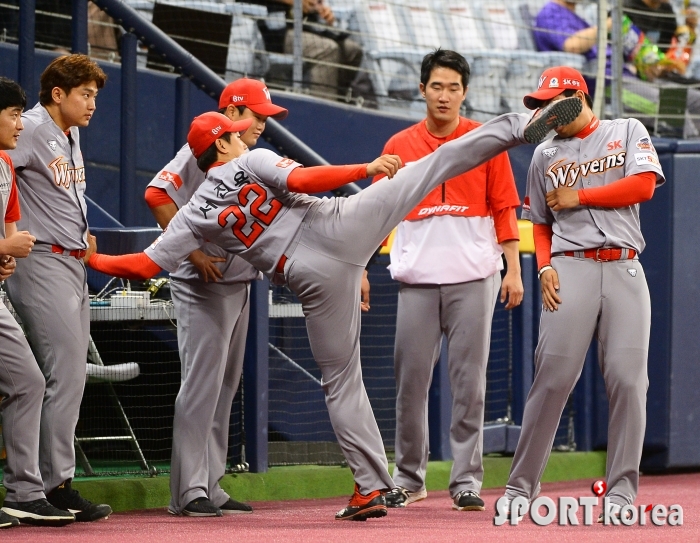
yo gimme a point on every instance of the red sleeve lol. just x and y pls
(501, 190)
(627, 191)
(506, 224)
(156, 197)
(543, 244)
(323, 178)
(131, 266)
(12, 213)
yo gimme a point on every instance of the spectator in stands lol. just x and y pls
(557, 27)
(324, 48)
(658, 22)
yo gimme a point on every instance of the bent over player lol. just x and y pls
(51, 182)
(21, 381)
(250, 206)
(447, 257)
(584, 188)
(210, 292)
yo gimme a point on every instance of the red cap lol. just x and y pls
(553, 82)
(209, 127)
(254, 95)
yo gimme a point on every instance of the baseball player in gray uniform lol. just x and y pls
(210, 294)
(51, 181)
(584, 187)
(21, 381)
(252, 206)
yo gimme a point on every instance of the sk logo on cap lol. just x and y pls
(216, 130)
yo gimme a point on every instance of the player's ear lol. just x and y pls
(57, 94)
(232, 112)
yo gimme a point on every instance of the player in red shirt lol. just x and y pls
(447, 255)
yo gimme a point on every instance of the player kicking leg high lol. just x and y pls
(254, 204)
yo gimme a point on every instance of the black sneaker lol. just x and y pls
(362, 507)
(468, 500)
(38, 512)
(558, 113)
(232, 507)
(6, 521)
(201, 507)
(67, 498)
(401, 497)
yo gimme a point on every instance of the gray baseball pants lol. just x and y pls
(212, 322)
(463, 312)
(613, 298)
(22, 391)
(324, 269)
(49, 292)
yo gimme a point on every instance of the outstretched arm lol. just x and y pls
(131, 266)
(325, 178)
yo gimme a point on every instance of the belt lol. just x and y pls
(75, 253)
(280, 265)
(605, 254)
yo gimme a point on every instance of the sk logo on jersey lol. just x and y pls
(550, 152)
(64, 175)
(170, 177)
(567, 174)
(284, 163)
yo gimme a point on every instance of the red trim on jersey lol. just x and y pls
(171, 177)
(543, 244)
(506, 223)
(131, 266)
(156, 197)
(589, 129)
(12, 213)
(324, 178)
(627, 191)
(219, 163)
(477, 193)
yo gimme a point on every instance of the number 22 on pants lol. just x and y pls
(256, 219)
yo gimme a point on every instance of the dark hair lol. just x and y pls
(208, 157)
(568, 93)
(68, 72)
(444, 58)
(11, 94)
(240, 109)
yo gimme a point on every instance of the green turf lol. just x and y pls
(295, 482)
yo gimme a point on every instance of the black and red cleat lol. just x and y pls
(362, 507)
(558, 113)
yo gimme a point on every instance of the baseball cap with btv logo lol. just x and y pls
(209, 127)
(254, 95)
(553, 82)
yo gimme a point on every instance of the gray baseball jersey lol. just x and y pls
(245, 208)
(180, 178)
(609, 299)
(51, 179)
(21, 382)
(51, 183)
(247, 194)
(616, 149)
